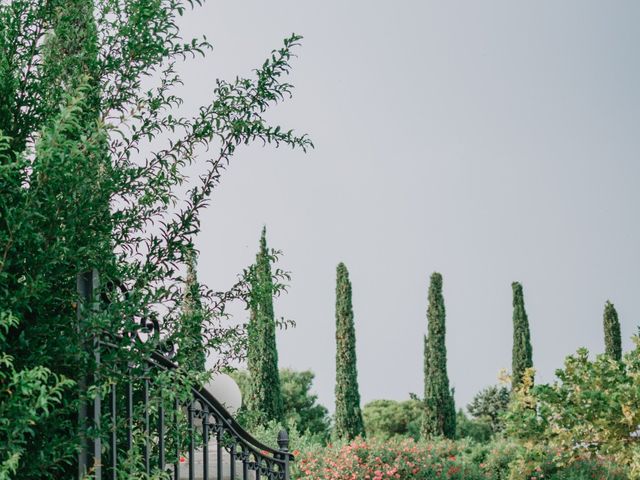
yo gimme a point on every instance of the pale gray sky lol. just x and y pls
(490, 141)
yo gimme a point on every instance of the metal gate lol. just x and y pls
(131, 423)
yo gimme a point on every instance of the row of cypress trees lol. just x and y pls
(439, 418)
(439, 415)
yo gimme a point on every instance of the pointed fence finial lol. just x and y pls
(283, 440)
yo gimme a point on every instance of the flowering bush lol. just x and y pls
(443, 460)
(378, 460)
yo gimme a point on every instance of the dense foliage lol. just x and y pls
(264, 396)
(439, 416)
(612, 338)
(93, 151)
(471, 428)
(592, 411)
(522, 356)
(301, 408)
(489, 406)
(386, 419)
(27, 397)
(348, 423)
(504, 459)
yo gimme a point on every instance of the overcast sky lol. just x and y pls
(490, 141)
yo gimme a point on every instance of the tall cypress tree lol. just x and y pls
(348, 415)
(265, 393)
(522, 355)
(439, 407)
(612, 338)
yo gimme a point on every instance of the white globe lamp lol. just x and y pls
(226, 391)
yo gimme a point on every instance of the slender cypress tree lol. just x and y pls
(439, 407)
(348, 416)
(265, 393)
(192, 351)
(450, 415)
(612, 339)
(522, 354)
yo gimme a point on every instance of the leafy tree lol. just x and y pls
(489, 406)
(264, 397)
(612, 339)
(386, 419)
(590, 411)
(477, 430)
(348, 422)
(26, 398)
(439, 417)
(85, 185)
(522, 357)
(301, 407)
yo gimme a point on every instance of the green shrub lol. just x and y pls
(27, 396)
(476, 430)
(301, 407)
(590, 470)
(298, 442)
(505, 459)
(489, 406)
(590, 411)
(386, 419)
(495, 458)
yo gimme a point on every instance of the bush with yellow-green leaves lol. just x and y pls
(591, 412)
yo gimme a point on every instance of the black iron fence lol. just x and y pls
(135, 422)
